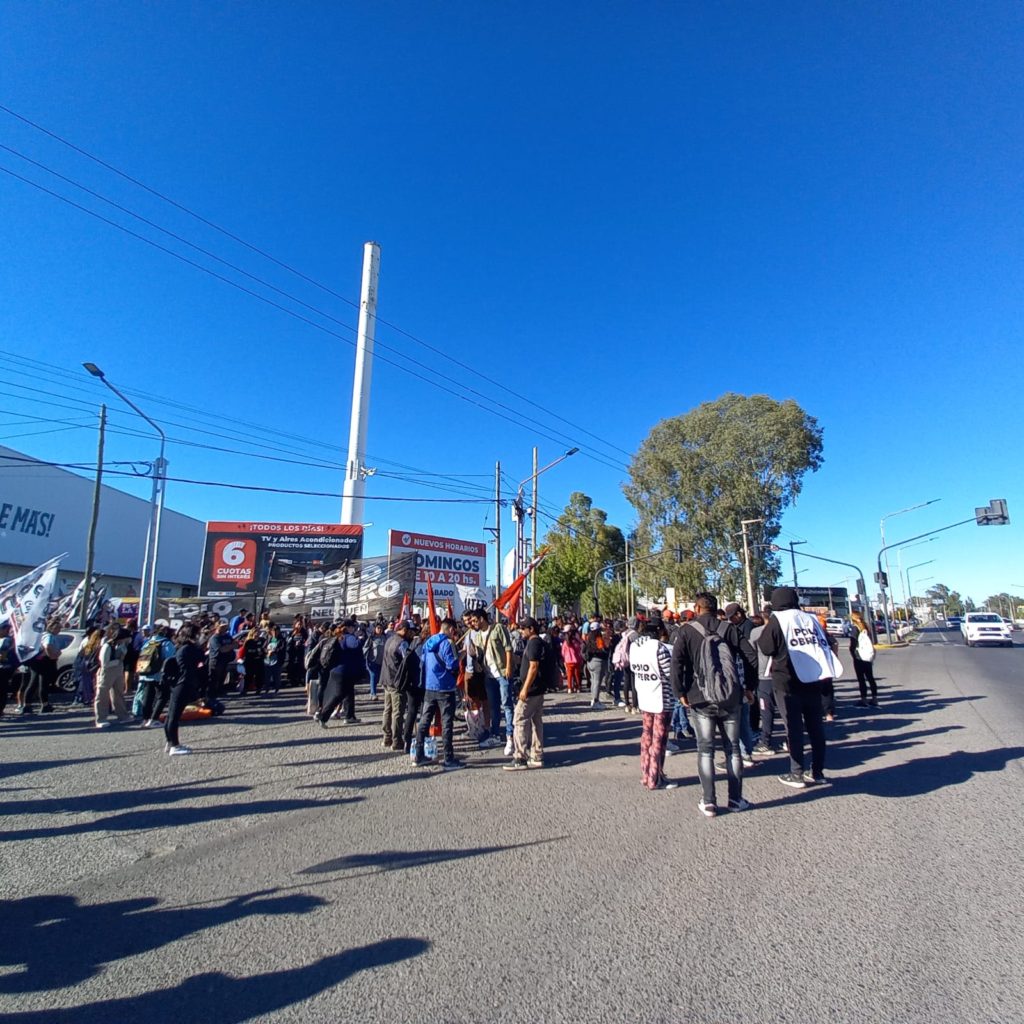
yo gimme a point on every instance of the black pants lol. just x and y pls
(828, 697)
(628, 688)
(412, 715)
(766, 705)
(443, 701)
(158, 693)
(181, 693)
(219, 668)
(6, 677)
(340, 690)
(865, 678)
(41, 674)
(803, 710)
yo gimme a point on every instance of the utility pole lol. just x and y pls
(497, 531)
(746, 561)
(355, 467)
(792, 558)
(90, 544)
(533, 537)
(629, 586)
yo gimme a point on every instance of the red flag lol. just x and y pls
(435, 626)
(451, 611)
(406, 612)
(509, 603)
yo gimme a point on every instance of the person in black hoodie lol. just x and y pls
(709, 718)
(799, 700)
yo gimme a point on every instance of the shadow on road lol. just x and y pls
(55, 941)
(175, 817)
(399, 860)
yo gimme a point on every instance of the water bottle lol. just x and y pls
(430, 748)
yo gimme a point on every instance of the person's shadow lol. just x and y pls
(56, 941)
(216, 997)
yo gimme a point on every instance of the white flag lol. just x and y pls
(23, 603)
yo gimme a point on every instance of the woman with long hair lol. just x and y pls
(110, 686)
(87, 663)
(863, 667)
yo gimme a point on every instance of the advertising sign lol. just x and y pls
(175, 611)
(237, 556)
(820, 600)
(456, 569)
(364, 587)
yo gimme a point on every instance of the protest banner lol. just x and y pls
(456, 569)
(23, 603)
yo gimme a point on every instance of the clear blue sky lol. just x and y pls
(620, 210)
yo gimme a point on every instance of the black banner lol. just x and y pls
(174, 611)
(364, 587)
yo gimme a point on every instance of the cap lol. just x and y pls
(405, 624)
(528, 622)
(688, 615)
(731, 609)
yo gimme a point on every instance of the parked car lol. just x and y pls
(985, 628)
(69, 641)
(836, 626)
(953, 621)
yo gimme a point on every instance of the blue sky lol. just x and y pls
(620, 211)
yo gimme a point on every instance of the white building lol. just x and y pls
(45, 511)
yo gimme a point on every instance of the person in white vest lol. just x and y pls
(650, 661)
(801, 662)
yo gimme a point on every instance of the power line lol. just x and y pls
(284, 266)
(493, 408)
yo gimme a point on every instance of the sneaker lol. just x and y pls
(621, 704)
(740, 805)
(816, 780)
(720, 766)
(873, 703)
(596, 705)
(673, 748)
(46, 709)
(421, 762)
(533, 763)
(352, 721)
(386, 744)
(490, 743)
(23, 709)
(148, 723)
(399, 748)
(450, 764)
(793, 781)
(515, 765)
(510, 748)
(784, 747)
(830, 718)
(763, 749)
(687, 734)
(179, 749)
(708, 810)
(747, 762)
(665, 784)
(102, 725)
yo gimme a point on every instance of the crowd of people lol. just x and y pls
(706, 675)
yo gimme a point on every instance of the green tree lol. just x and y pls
(697, 476)
(582, 541)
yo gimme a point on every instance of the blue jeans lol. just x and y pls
(681, 719)
(509, 696)
(374, 671)
(495, 702)
(616, 684)
(728, 726)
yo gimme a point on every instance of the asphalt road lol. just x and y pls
(283, 874)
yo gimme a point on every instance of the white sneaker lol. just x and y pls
(148, 723)
(102, 725)
(510, 748)
(179, 749)
(621, 704)
(672, 747)
(489, 743)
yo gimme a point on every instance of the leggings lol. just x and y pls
(340, 691)
(652, 747)
(629, 689)
(728, 727)
(181, 694)
(158, 693)
(865, 677)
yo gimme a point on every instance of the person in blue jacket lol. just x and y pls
(440, 665)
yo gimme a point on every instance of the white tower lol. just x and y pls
(355, 467)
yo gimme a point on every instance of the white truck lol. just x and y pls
(985, 628)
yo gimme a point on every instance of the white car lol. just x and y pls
(835, 626)
(985, 628)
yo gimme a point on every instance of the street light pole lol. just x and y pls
(148, 581)
(792, 558)
(881, 528)
(910, 592)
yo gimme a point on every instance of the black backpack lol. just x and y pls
(327, 649)
(549, 672)
(715, 669)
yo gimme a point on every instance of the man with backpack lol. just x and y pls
(706, 678)
(341, 664)
(156, 651)
(440, 663)
(534, 672)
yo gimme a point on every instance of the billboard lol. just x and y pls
(456, 569)
(820, 600)
(364, 587)
(238, 556)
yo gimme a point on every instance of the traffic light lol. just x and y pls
(994, 513)
(882, 579)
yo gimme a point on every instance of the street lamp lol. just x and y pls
(899, 563)
(881, 527)
(518, 511)
(148, 581)
(910, 591)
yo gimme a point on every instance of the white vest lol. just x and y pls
(808, 647)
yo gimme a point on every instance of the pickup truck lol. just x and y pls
(985, 628)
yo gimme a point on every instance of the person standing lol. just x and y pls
(184, 671)
(8, 662)
(296, 646)
(529, 718)
(273, 657)
(440, 663)
(650, 663)
(155, 683)
(706, 680)
(86, 665)
(801, 662)
(345, 665)
(572, 655)
(110, 681)
(399, 670)
(597, 652)
(416, 692)
(497, 644)
(373, 650)
(220, 650)
(863, 652)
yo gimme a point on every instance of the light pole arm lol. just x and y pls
(614, 565)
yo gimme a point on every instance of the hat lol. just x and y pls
(528, 622)
(405, 624)
(688, 615)
(784, 597)
(731, 609)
